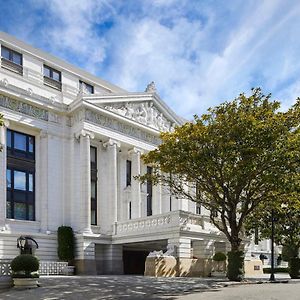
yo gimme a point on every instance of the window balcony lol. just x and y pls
(11, 66)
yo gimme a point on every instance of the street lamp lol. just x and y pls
(272, 276)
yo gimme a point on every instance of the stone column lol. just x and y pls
(112, 184)
(136, 200)
(43, 180)
(85, 168)
(3, 174)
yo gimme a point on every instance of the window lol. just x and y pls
(93, 151)
(87, 87)
(20, 176)
(11, 60)
(129, 212)
(128, 172)
(149, 193)
(198, 209)
(52, 77)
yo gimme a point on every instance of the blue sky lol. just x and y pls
(198, 52)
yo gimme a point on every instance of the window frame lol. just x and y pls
(20, 161)
(87, 86)
(49, 80)
(9, 63)
(128, 172)
(94, 178)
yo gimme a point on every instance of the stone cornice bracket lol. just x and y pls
(135, 150)
(84, 133)
(112, 142)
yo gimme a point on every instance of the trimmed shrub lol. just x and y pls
(294, 268)
(276, 270)
(219, 256)
(65, 240)
(23, 265)
(235, 268)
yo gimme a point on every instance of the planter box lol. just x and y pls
(25, 282)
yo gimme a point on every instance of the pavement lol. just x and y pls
(142, 287)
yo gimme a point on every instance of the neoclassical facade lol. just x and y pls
(71, 148)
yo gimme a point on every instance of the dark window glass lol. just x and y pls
(89, 88)
(20, 176)
(93, 155)
(20, 141)
(52, 73)
(128, 172)
(5, 52)
(198, 209)
(56, 75)
(20, 180)
(130, 210)
(46, 71)
(11, 55)
(149, 193)
(8, 178)
(8, 138)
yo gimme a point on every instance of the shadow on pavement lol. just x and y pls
(111, 287)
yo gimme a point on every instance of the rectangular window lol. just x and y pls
(86, 87)
(198, 209)
(52, 77)
(11, 60)
(129, 212)
(149, 193)
(94, 170)
(128, 172)
(20, 187)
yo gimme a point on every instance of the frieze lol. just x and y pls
(24, 108)
(142, 112)
(116, 125)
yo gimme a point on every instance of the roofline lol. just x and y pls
(23, 47)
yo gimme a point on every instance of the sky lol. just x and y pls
(199, 53)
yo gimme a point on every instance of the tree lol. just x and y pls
(229, 160)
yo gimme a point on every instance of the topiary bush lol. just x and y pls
(235, 268)
(294, 267)
(65, 240)
(219, 256)
(23, 265)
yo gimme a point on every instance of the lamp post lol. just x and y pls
(272, 276)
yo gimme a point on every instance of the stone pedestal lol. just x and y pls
(253, 267)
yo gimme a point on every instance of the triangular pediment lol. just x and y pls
(145, 109)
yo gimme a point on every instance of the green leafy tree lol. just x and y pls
(229, 160)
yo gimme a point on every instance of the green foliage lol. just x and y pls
(289, 251)
(219, 256)
(276, 270)
(235, 270)
(294, 268)
(23, 265)
(65, 240)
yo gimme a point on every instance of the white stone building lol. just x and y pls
(71, 148)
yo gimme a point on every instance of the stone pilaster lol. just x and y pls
(85, 168)
(3, 174)
(112, 184)
(136, 200)
(182, 246)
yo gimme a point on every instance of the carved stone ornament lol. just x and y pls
(143, 112)
(24, 108)
(113, 124)
(151, 88)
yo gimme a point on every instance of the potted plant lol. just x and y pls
(219, 265)
(25, 271)
(65, 250)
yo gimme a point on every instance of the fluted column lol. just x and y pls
(136, 200)
(112, 184)
(3, 174)
(85, 169)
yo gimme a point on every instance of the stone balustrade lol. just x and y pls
(163, 222)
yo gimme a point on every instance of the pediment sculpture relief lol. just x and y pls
(145, 113)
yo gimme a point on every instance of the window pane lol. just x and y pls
(93, 217)
(20, 211)
(89, 88)
(93, 154)
(19, 196)
(17, 58)
(20, 141)
(55, 75)
(93, 189)
(4, 52)
(8, 210)
(8, 178)
(46, 71)
(20, 180)
(30, 213)
(30, 185)
(8, 138)
(31, 144)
